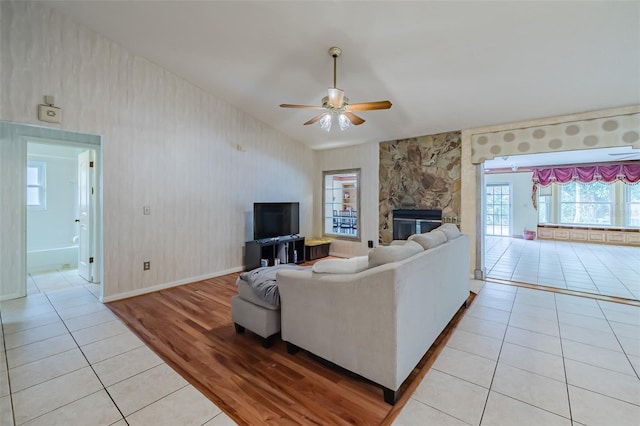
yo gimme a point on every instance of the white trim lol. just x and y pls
(11, 296)
(165, 286)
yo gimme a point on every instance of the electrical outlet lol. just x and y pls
(370, 244)
(146, 265)
(146, 209)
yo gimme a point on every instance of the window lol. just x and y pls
(586, 203)
(36, 185)
(632, 205)
(341, 203)
(498, 214)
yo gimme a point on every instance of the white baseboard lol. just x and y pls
(164, 286)
(11, 296)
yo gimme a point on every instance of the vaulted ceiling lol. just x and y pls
(444, 65)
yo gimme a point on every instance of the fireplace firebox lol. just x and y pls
(407, 222)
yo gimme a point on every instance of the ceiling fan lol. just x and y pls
(336, 104)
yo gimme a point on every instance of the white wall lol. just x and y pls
(366, 157)
(523, 213)
(166, 144)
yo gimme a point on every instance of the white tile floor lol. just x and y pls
(593, 268)
(528, 357)
(56, 280)
(66, 359)
(519, 356)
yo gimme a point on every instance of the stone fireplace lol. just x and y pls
(419, 173)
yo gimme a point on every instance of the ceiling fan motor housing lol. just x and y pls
(335, 52)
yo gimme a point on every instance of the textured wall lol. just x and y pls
(419, 173)
(165, 143)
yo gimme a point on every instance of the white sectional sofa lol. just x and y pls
(378, 318)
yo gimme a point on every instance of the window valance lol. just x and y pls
(608, 173)
(626, 172)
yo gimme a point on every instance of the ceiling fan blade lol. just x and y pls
(368, 106)
(355, 120)
(300, 106)
(314, 119)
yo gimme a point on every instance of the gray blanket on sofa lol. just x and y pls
(263, 281)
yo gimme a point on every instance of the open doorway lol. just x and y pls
(61, 237)
(28, 183)
(569, 217)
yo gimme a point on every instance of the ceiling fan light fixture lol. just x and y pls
(336, 97)
(337, 104)
(325, 122)
(344, 122)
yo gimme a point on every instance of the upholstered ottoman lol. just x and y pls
(251, 312)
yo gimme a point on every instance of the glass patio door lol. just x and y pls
(498, 213)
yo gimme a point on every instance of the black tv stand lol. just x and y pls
(286, 248)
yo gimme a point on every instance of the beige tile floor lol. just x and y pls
(528, 357)
(65, 359)
(519, 356)
(593, 268)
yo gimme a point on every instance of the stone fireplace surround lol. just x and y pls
(419, 173)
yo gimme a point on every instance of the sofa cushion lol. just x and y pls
(450, 230)
(341, 266)
(386, 254)
(429, 240)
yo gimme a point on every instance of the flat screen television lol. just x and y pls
(275, 220)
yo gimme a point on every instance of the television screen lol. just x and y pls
(275, 220)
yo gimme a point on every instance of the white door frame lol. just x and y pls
(96, 222)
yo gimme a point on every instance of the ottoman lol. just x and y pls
(250, 312)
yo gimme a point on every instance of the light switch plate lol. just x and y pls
(49, 114)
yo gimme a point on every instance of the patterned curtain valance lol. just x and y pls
(628, 173)
(608, 173)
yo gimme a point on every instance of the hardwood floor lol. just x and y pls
(190, 328)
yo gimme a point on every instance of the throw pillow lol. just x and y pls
(450, 230)
(387, 254)
(341, 266)
(430, 239)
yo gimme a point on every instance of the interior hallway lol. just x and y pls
(594, 268)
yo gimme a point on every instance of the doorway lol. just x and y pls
(25, 183)
(60, 206)
(565, 263)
